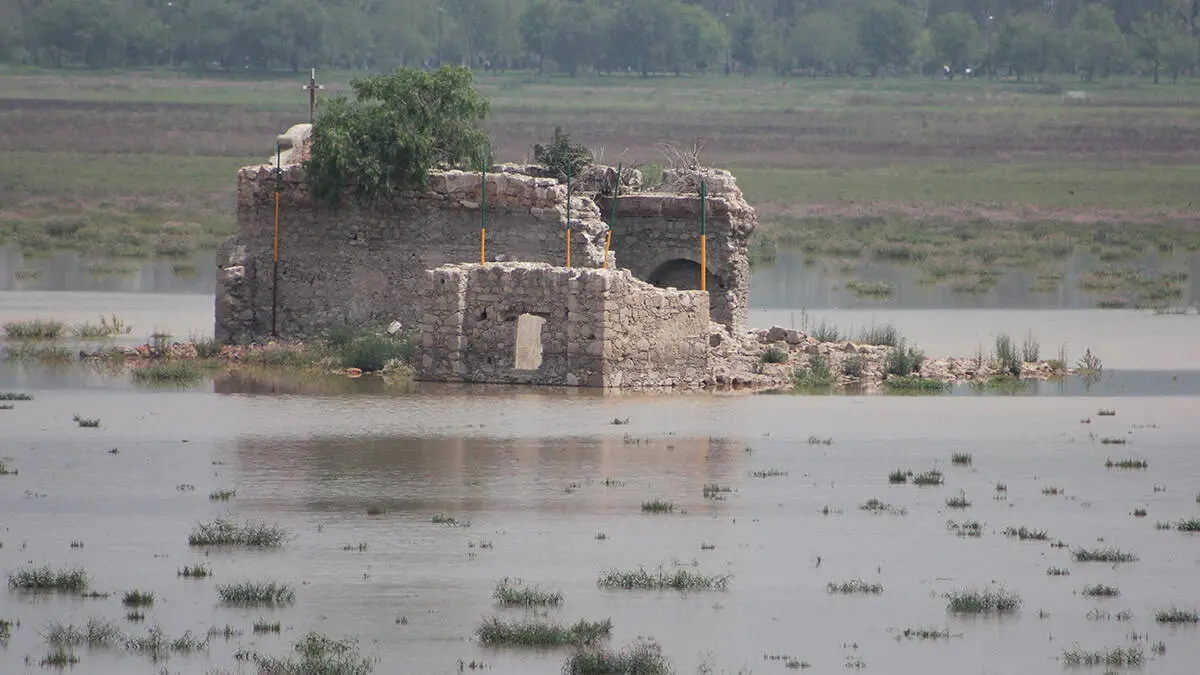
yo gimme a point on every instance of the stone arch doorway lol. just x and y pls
(683, 274)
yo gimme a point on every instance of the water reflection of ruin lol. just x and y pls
(478, 474)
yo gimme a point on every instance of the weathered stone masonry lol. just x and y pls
(538, 324)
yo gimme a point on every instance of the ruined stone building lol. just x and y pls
(522, 317)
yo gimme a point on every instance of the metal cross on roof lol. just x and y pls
(312, 88)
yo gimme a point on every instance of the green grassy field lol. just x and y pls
(133, 150)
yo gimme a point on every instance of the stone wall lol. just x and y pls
(360, 265)
(523, 323)
(657, 236)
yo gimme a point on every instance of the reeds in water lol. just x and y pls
(986, 601)
(224, 532)
(535, 632)
(248, 593)
(679, 579)
(47, 579)
(513, 593)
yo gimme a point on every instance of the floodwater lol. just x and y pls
(528, 467)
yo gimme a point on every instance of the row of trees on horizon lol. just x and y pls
(1090, 38)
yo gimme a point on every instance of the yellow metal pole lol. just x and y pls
(568, 246)
(483, 246)
(483, 214)
(703, 237)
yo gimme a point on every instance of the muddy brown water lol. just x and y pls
(527, 469)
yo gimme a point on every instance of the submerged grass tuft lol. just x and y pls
(1116, 656)
(1025, 533)
(248, 593)
(658, 506)
(958, 501)
(961, 458)
(222, 495)
(86, 422)
(899, 476)
(168, 372)
(534, 632)
(1176, 615)
(158, 645)
(14, 396)
(1104, 555)
(1100, 591)
(223, 532)
(854, 586)
(47, 579)
(1188, 525)
(265, 626)
(317, 654)
(136, 598)
(514, 593)
(97, 633)
(988, 601)
(197, 571)
(932, 477)
(644, 657)
(34, 329)
(1126, 464)
(679, 579)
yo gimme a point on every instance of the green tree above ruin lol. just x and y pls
(562, 156)
(395, 130)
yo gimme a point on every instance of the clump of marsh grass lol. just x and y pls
(1116, 657)
(14, 396)
(817, 374)
(644, 657)
(1031, 349)
(1126, 464)
(221, 495)
(5, 471)
(715, 491)
(1005, 355)
(875, 506)
(958, 501)
(1051, 491)
(773, 355)
(1025, 533)
(223, 532)
(97, 633)
(105, 329)
(86, 422)
(970, 528)
(818, 440)
(1104, 555)
(768, 473)
(679, 579)
(854, 586)
(658, 506)
(1140, 513)
(227, 631)
(197, 571)
(961, 459)
(911, 384)
(135, 615)
(1176, 615)
(248, 593)
(513, 593)
(1162, 525)
(6, 628)
(1057, 572)
(180, 373)
(59, 657)
(158, 645)
(881, 335)
(1110, 440)
(987, 601)
(923, 633)
(534, 632)
(826, 332)
(317, 654)
(47, 579)
(136, 598)
(265, 626)
(931, 477)
(1188, 525)
(34, 329)
(902, 360)
(1001, 487)
(443, 519)
(1100, 591)
(1089, 363)
(899, 476)
(1106, 412)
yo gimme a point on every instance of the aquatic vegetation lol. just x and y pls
(715, 491)
(6, 628)
(1005, 355)
(1162, 525)
(880, 335)
(826, 332)
(207, 348)
(318, 655)
(1126, 463)
(1031, 349)
(159, 645)
(1115, 656)
(5, 471)
(514, 593)
(374, 510)
(970, 528)
(1106, 412)
(902, 360)
(987, 601)
(265, 626)
(105, 329)
(1051, 491)
(1176, 615)
(875, 506)
(443, 519)
(705, 546)
(15, 396)
(47, 579)
(37, 353)
(679, 579)
(658, 506)
(1105, 555)
(135, 615)
(1089, 363)
(1139, 513)
(768, 473)
(59, 657)
(373, 352)
(854, 586)
(533, 632)
(136, 598)
(227, 631)
(86, 422)
(168, 372)
(1057, 572)
(961, 459)
(644, 657)
(923, 633)
(1025, 533)
(1100, 591)
(256, 593)
(931, 477)
(816, 375)
(34, 329)
(1188, 525)
(899, 476)
(818, 440)
(224, 532)
(222, 495)
(958, 501)
(197, 571)
(97, 633)
(870, 289)
(1001, 487)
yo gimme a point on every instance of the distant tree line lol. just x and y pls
(1022, 38)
